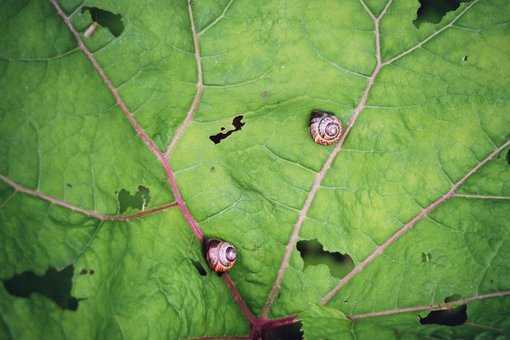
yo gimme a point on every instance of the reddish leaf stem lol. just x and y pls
(239, 299)
(151, 145)
(195, 228)
(277, 323)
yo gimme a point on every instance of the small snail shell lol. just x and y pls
(325, 127)
(220, 255)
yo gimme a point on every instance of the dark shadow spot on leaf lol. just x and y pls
(465, 58)
(434, 10)
(113, 22)
(426, 257)
(508, 156)
(55, 285)
(313, 254)
(139, 200)
(453, 317)
(200, 269)
(236, 122)
(288, 332)
(69, 185)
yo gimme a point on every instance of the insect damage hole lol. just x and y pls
(113, 22)
(313, 253)
(433, 11)
(237, 123)
(138, 201)
(452, 317)
(54, 284)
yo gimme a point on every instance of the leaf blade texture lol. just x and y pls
(425, 108)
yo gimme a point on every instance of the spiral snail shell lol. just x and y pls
(220, 255)
(325, 127)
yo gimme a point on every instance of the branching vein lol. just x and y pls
(162, 158)
(320, 176)
(378, 251)
(218, 19)
(430, 37)
(195, 104)
(430, 308)
(294, 237)
(90, 213)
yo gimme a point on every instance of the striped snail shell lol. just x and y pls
(220, 255)
(325, 127)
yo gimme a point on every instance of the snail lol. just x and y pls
(325, 127)
(220, 255)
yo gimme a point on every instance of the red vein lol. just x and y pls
(294, 237)
(90, 213)
(195, 104)
(109, 84)
(277, 323)
(430, 308)
(483, 197)
(378, 251)
(136, 126)
(163, 159)
(239, 299)
(195, 228)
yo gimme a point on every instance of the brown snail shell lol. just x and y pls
(325, 127)
(220, 255)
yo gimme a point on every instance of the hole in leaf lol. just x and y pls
(426, 257)
(139, 200)
(236, 122)
(453, 317)
(200, 269)
(85, 271)
(313, 253)
(287, 332)
(434, 10)
(55, 285)
(465, 58)
(113, 22)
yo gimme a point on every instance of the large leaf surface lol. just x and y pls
(432, 115)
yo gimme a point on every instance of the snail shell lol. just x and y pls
(220, 255)
(325, 128)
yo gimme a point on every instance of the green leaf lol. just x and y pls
(325, 323)
(416, 193)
